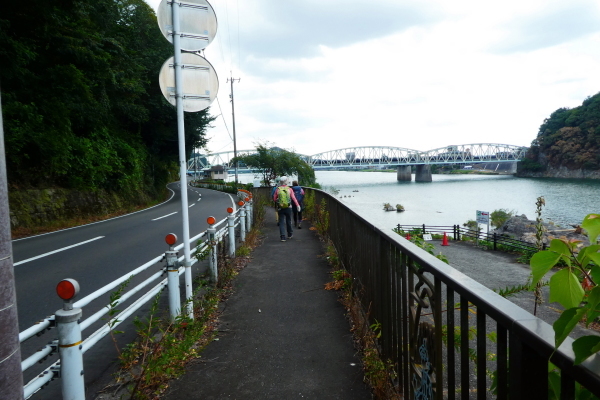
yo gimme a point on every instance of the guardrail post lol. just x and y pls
(231, 233)
(495, 239)
(173, 277)
(424, 229)
(69, 342)
(242, 222)
(212, 259)
(249, 214)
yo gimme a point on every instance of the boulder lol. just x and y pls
(521, 228)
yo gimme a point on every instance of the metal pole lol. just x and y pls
(212, 261)
(233, 125)
(249, 216)
(11, 377)
(71, 356)
(231, 228)
(243, 223)
(173, 283)
(182, 160)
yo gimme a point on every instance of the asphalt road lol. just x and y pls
(95, 255)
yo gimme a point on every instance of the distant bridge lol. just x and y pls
(386, 156)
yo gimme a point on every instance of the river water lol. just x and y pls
(454, 199)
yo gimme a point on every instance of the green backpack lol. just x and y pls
(283, 197)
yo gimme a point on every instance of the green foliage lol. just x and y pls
(82, 108)
(500, 216)
(273, 162)
(472, 225)
(569, 137)
(574, 286)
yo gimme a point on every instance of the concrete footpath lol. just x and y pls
(281, 335)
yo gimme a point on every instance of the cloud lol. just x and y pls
(549, 27)
(296, 28)
(323, 75)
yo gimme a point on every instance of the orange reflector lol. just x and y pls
(171, 239)
(67, 289)
(229, 210)
(211, 220)
(247, 199)
(240, 203)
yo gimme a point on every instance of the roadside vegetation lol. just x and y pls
(82, 109)
(164, 347)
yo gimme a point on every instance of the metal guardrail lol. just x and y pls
(422, 304)
(71, 348)
(457, 232)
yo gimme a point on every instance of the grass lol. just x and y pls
(57, 225)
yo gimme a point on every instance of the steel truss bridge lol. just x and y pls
(383, 156)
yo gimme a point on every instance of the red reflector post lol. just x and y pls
(67, 289)
(229, 210)
(171, 239)
(211, 220)
(240, 203)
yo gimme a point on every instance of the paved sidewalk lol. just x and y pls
(281, 335)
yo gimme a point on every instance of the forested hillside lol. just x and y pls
(568, 139)
(81, 102)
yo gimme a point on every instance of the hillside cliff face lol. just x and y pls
(561, 172)
(567, 145)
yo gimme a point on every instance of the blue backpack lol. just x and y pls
(298, 193)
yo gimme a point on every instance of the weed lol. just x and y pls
(163, 347)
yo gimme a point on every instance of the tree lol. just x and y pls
(82, 104)
(273, 162)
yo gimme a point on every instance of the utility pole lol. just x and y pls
(11, 377)
(230, 80)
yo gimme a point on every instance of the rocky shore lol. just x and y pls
(561, 173)
(522, 228)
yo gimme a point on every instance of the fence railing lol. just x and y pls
(446, 335)
(69, 343)
(457, 232)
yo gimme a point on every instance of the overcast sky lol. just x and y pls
(421, 74)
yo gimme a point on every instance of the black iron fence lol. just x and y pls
(446, 335)
(457, 232)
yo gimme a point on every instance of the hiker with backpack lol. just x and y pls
(274, 202)
(297, 211)
(284, 198)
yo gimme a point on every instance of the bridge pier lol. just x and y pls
(404, 173)
(423, 173)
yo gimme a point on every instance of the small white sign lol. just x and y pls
(427, 236)
(483, 217)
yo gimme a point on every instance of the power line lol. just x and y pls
(224, 122)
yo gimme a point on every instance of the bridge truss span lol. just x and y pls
(472, 153)
(382, 156)
(363, 157)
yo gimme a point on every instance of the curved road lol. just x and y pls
(95, 255)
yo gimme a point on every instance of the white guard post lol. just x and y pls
(173, 277)
(248, 214)
(231, 231)
(69, 342)
(212, 260)
(242, 221)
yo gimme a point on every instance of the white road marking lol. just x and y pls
(56, 251)
(164, 216)
(192, 205)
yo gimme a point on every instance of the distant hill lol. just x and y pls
(568, 143)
